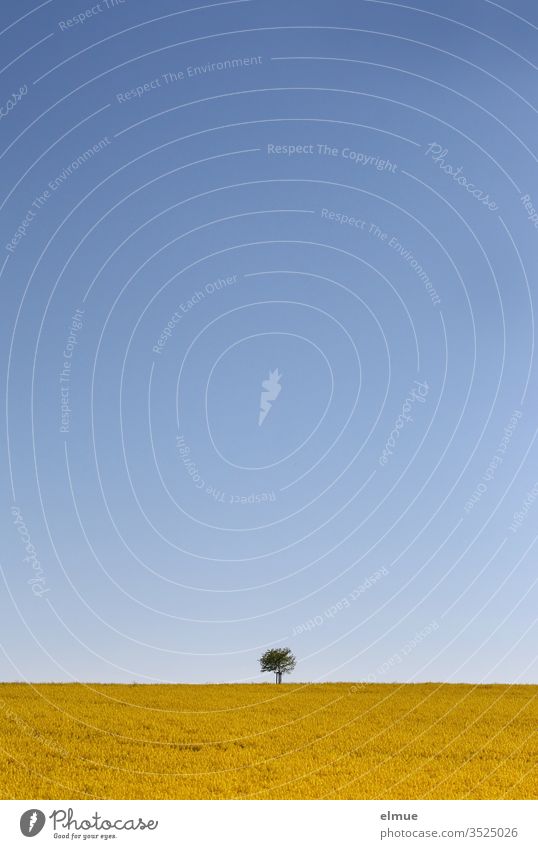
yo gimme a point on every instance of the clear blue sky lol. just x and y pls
(193, 199)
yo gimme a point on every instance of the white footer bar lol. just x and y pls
(264, 825)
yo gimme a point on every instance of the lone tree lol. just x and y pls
(277, 661)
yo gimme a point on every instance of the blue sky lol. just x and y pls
(194, 199)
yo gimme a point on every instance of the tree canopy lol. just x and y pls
(278, 661)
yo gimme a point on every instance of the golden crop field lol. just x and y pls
(296, 741)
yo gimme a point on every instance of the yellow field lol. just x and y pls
(296, 741)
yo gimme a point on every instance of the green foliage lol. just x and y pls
(278, 661)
